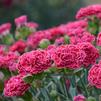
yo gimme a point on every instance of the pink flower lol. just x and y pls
(88, 11)
(18, 46)
(94, 75)
(87, 37)
(69, 56)
(32, 25)
(20, 21)
(15, 86)
(76, 24)
(10, 60)
(99, 39)
(5, 28)
(34, 62)
(91, 53)
(79, 98)
(34, 39)
(59, 41)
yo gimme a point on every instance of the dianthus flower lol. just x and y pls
(75, 24)
(34, 62)
(34, 39)
(94, 75)
(59, 41)
(79, 98)
(99, 39)
(10, 60)
(18, 46)
(69, 56)
(91, 53)
(88, 11)
(32, 25)
(5, 29)
(22, 20)
(15, 86)
(87, 37)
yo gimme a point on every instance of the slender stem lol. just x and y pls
(87, 94)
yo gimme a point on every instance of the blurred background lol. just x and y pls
(47, 13)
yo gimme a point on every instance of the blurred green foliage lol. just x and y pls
(46, 12)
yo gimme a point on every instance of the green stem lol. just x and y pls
(87, 93)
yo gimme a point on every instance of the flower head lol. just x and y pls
(91, 53)
(18, 46)
(69, 56)
(89, 11)
(5, 28)
(94, 75)
(15, 86)
(22, 20)
(34, 62)
(79, 98)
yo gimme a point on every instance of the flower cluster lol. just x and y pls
(69, 50)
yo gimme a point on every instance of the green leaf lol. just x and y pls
(28, 78)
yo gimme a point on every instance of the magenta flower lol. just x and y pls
(88, 11)
(32, 25)
(91, 53)
(18, 46)
(99, 39)
(94, 75)
(79, 98)
(20, 21)
(5, 29)
(15, 86)
(69, 56)
(34, 62)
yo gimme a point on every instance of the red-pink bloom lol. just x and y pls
(88, 11)
(99, 39)
(69, 56)
(10, 60)
(34, 39)
(87, 37)
(34, 62)
(79, 98)
(5, 28)
(91, 53)
(22, 20)
(59, 41)
(15, 86)
(82, 37)
(18, 46)
(76, 24)
(32, 25)
(94, 75)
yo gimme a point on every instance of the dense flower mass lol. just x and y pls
(88, 11)
(59, 57)
(79, 98)
(34, 62)
(91, 53)
(69, 56)
(94, 75)
(15, 86)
